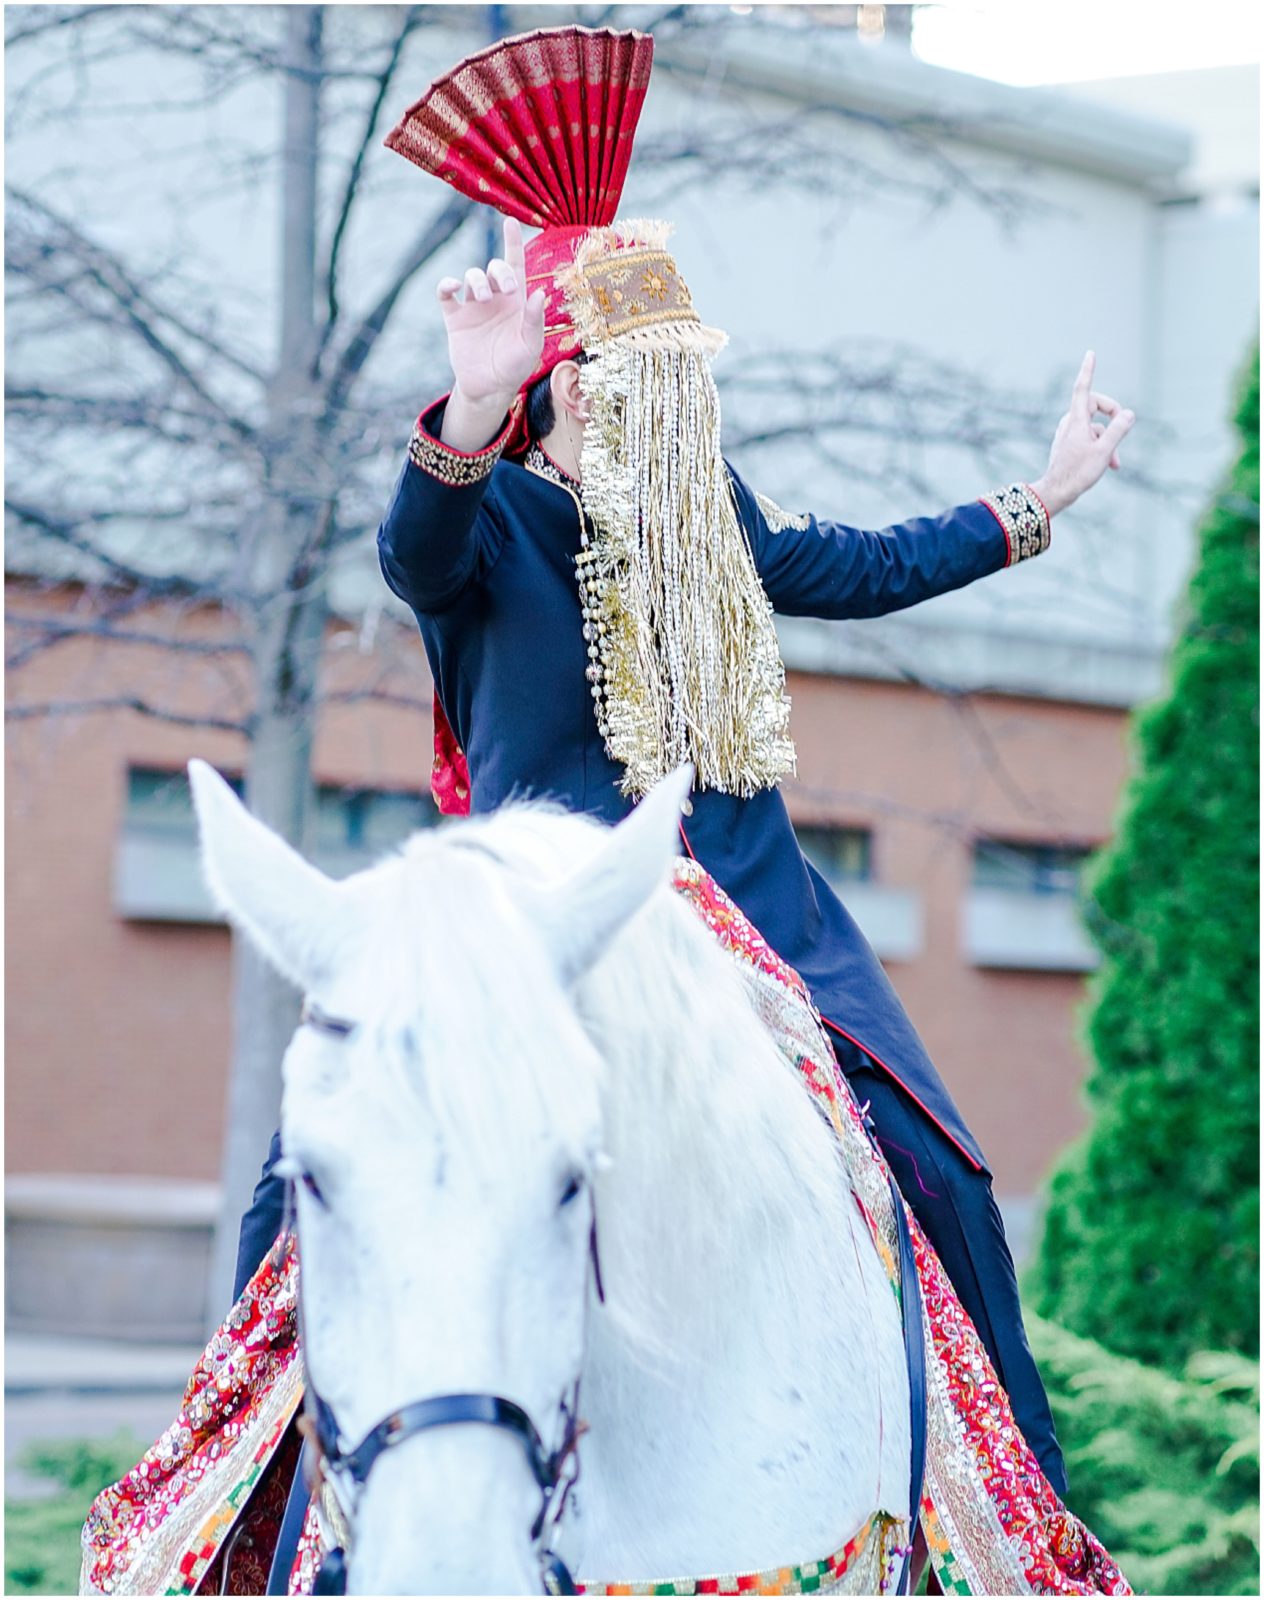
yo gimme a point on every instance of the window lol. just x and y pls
(840, 855)
(160, 802)
(891, 918)
(1022, 910)
(1026, 868)
(158, 876)
(366, 822)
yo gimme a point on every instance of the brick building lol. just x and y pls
(956, 763)
(953, 829)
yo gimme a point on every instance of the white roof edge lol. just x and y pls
(1030, 665)
(1038, 122)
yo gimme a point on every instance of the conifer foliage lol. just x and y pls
(1164, 1469)
(1151, 1237)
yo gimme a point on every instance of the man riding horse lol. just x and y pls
(595, 588)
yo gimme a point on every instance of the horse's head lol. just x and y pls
(443, 1146)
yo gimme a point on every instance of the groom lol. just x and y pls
(595, 585)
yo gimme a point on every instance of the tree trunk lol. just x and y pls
(287, 584)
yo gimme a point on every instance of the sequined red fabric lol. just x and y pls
(1057, 1553)
(450, 774)
(243, 1563)
(161, 1526)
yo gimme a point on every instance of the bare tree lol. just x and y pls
(261, 455)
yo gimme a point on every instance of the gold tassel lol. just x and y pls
(687, 662)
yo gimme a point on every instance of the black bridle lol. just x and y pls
(555, 1472)
(347, 1470)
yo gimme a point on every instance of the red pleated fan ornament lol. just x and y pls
(540, 127)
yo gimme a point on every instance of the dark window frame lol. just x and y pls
(844, 833)
(1028, 866)
(356, 804)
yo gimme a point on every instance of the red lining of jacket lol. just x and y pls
(890, 1071)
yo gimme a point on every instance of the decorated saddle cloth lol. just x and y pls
(206, 1500)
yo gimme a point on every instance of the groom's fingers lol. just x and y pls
(515, 255)
(1083, 384)
(476, 285)
(1117, 430)
(502, 276)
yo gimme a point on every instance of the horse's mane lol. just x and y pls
(715, 1153)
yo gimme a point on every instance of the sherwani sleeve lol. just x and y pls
(441, 529)
(812, 567)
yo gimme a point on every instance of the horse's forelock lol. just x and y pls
(469, 1020)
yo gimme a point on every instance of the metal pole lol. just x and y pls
(496, 29)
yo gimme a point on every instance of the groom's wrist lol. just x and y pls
(1053, 499)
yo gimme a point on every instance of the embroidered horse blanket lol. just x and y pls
(215, 1483)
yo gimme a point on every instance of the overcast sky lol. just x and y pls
(1057, 41)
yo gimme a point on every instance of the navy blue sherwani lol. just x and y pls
(488, 567)
(483, 550)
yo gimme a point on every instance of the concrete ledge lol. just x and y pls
(108, 1258)
(105, 1200)
(1026, 932)
(891, 919)
(826, 68)
(50, 1363)
(159, 879)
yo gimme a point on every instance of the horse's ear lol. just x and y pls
(586, 913)
(292, 912)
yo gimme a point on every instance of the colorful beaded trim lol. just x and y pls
(1021, 513)
(870, 1556)
(452, 467)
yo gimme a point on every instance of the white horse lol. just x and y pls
(544, 1032)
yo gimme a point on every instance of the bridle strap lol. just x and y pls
(447, 1410)
(439, 1411)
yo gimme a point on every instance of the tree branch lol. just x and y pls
(139, 312)
(58, 630)
(51, 18)
(360, 346)
(76, 708)
(66, 532)
(385, 697)
(407, 27)
(125, 413)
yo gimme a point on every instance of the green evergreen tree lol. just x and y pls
(1151, 1235)
(1165, 1470)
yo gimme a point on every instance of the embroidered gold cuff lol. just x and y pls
(453, 467)
(1021, 513)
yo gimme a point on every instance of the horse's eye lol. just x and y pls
(574, 1184)
(313, 1188)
